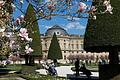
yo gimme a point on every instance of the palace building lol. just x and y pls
(69, 44)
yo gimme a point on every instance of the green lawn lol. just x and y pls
(29, 73)
(7, 79)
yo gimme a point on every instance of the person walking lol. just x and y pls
(85, 71)
(77, 67)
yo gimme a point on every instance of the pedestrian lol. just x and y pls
(77, 66)
(52, 70)
(85, 71)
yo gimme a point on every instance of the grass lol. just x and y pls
(40, 77)
(8, 79)
(12, 67)
(28, 72)
(19, 67)
(31, 77)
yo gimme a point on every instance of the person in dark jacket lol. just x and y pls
(85, 71)
(77, 66)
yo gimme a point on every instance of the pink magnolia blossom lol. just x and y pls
(109, 8)
(18, 21)
(22, 17)
(29, 39)
(22, 39)
(28, 49)
(23, 33)
(94, 17)
(13, 6)
(2, 3)
(82, 6)
(106, 2)
(2, 29)
(11, 43)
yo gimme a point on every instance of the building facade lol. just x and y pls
(69, 44)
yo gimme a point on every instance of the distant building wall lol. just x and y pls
(69, 44)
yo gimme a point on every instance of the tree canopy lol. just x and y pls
(33, 30)
(104, 32)
(54, 49)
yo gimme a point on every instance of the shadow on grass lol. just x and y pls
(4, 71)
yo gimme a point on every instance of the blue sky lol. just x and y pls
(73, 27)
(77, 26)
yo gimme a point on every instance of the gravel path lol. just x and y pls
(63, 71)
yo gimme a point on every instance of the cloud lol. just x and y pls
(74, 25)
(47, 27)
(76, 19)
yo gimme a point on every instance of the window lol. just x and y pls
(64, 56)
(69, 46)
(77, 51)
(72, 46)
(77, 46)
(81, 46)
(46, 45)
(58, 33)
(76, 41)
(64, 45)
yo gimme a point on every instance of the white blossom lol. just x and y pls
(29, 39)
(18, 21)
(108, 6)
(23, 33)
(2, 3)
(28, 49)
(2, 29)
(106, 2)
(21, 1)
(94, 17)
(109, 9)
(22, 17)
(82, 6)
(11, 43)
(13, 6)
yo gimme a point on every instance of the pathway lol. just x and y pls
(63, 71)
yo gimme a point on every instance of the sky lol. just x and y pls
(72, 27)
(77, 26)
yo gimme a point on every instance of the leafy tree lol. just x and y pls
(54, 52)
(33, 29)
(2, 58)
(103, 34)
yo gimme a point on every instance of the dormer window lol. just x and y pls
(58, 33)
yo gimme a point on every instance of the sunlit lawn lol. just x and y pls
(29, 73)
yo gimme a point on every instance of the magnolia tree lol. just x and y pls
(44, 9)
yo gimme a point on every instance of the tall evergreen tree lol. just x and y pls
(54, 49)
(33, 30)
(103, 34)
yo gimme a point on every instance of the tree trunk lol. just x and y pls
(26, 58)
(31, 60)
(113, 56)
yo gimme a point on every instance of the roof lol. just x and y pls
(56, 29)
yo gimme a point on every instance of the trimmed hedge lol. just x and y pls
(104, 32)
